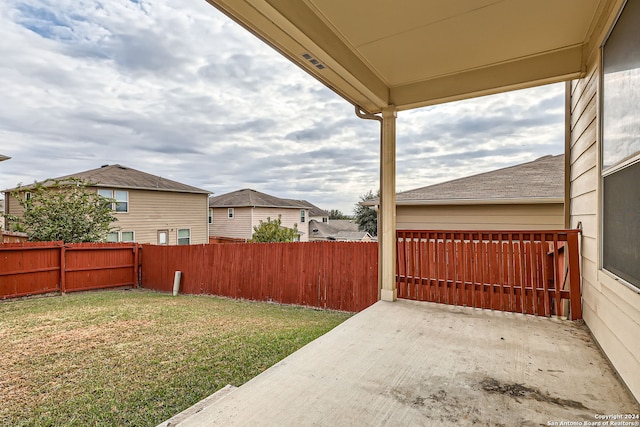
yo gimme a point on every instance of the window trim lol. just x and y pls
(178, 236)
(231, 213)
(114, 201)
(303, 216)
(615, 167)
(210, 220)
(133, 236)
(119, 239)
(166, 233)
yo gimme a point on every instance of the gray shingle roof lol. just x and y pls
(536, 181)
(118, 176)
(332, 228)
(313, 209)
(248, 197)
(352, 235)
(252, 198)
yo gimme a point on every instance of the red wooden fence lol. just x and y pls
(41, 267)
(530, 272)
(334, 275)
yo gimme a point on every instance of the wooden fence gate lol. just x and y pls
(529, 272)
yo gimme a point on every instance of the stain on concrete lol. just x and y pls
(520, 391)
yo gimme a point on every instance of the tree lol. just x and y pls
(273, 231)
(64, 210)
(365, 216)
(337, 214)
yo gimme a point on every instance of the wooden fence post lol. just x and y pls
(574, 275)
(63, 268)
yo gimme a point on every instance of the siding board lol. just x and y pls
(481, 217)
(610, 309)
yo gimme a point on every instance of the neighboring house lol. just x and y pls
(528, 196)
(233, 215)
(149, 208)
(317, 214)
(337, 230)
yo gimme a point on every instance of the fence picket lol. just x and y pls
(517, 271)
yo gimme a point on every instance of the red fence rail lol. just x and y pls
(334, 275)
(529, 272)
(33, 268)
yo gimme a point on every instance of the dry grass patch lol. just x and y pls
(137, 357)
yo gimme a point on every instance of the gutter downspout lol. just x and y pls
(387, 290)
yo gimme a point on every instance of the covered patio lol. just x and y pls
(416, 363)
(402, 362)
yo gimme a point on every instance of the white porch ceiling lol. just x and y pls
(412, 53)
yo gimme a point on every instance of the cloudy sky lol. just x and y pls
(176, 89)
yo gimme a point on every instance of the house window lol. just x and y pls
(325, 219)
(230, 213)
(119, 199)
(163, 237)
(27, 196)
(121, 236)
(184, 236)
(210, 216)
(302, 213)
(621, 147)
(122, 201)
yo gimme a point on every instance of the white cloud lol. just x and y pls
(175, 89)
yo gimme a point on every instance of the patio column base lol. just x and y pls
(389, 295)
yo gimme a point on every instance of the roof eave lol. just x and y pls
(503, 201)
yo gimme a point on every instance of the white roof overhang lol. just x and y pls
(413, 53)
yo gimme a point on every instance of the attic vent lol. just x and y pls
(313, 61)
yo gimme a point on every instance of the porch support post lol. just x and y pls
(387, 210)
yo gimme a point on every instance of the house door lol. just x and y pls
(163, 237)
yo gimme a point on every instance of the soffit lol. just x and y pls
(419, 52)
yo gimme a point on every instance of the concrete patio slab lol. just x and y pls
(421, 364)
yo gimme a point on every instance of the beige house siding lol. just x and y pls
(238, 227)
(481, 217)
(289, 217)
(241, 226)
(611, 309)
(151, 211)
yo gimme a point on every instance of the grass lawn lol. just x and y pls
(137, 357)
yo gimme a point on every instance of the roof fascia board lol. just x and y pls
(114, 186)
(267, 21)
(169, 190)
(551, 67)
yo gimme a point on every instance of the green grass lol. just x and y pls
(120, 358)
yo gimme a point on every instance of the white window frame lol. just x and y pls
(210, 220)
(303, 215)
(133, 236)
(623, 97)
(166, 233)
(119, 239)
(231, 213)
(178, 236)
(114, 201)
